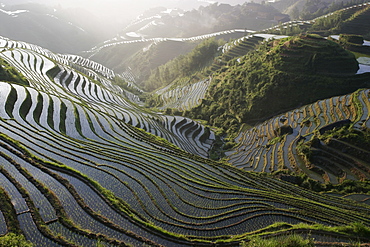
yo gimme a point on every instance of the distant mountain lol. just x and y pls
(310, 9)
(161, 34)
(60, 30)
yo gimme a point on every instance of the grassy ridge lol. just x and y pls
(288, 72)
(10, 74)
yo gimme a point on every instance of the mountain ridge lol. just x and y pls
(83, 163)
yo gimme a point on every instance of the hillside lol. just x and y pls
(284, 141)
(352, 20)
(288, 72)
(309, 9)
(186, 91)
(82, 165)
(175, 32)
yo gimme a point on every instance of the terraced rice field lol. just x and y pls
(304, 25)
(95, 91)
(185, 97)
(262, 150)
(79, 167)
(188, 95)
(124, 41)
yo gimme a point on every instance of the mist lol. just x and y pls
(119, 11)
(109, 16)
(100, 20)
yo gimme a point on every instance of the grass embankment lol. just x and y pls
(285, 241)
(10, 74)
(14, 240)
(291, 239)
(14, 236)
(343, 150)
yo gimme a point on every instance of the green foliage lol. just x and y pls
(14, 240)
(283, 241)
(354, 43)
(340, 20)
(355, 229)
(344, 21)
(63, 117)
(183, 66)
(52, 73)
(346, 142)
(278, 76)
(349, 134)
(345, 187)
(26, 105)
(9, 213)
(10, 74)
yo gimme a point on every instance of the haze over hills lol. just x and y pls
(161, 34)
(221, 136)
(45, 25)
(82, 24)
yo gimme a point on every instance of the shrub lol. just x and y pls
(283, 241)
(14, 240)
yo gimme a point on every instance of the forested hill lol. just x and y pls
(279, 75)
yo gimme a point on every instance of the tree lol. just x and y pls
(14, 240)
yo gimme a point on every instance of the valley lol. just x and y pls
(234, 136)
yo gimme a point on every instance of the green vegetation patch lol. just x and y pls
(336, 150)
(10, 74)
(14, 240)
(278, 76)
(283, 241)
(347, 134)
(183, 65)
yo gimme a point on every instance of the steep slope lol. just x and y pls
(77, 172)
(186, 92)
(289, 72)
(352, 19)
(96, 89)
(265, 148)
